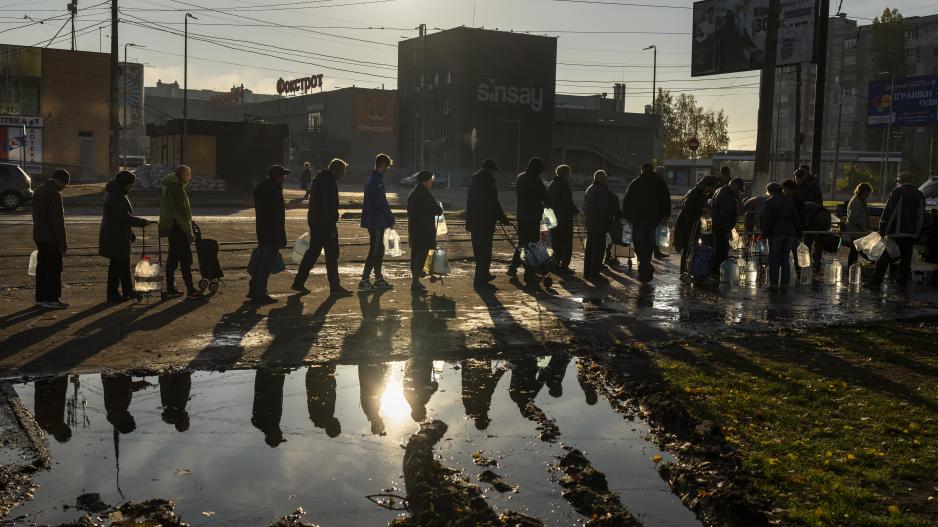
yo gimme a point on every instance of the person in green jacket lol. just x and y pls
(176, 224)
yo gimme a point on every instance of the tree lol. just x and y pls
(889, 45)
(682, 118)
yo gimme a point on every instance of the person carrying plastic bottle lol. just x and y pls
(483, 211)
(561, 199)
(532, 198)
(176, 226)
(858, 220)
(781, 225)
(694, 205)
(323, 219)
(117, 234)
(270, 227)
(724, 208)
(51, 239)
(901, 222)
(597, 209)
(646, 205)
(422, 210)
(376, 217)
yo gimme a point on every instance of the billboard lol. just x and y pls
(376, 112)
(729, 35)
(131, 95)
(21, 142)
(912, 101)
(20, 80)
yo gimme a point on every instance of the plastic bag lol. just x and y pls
(626, 233)
(300, 247)
(876, 252)
(663, 238)
(865, 243)
(549, 218)
(33, 262)
(441, 228)
(392, 243)
(148, 276)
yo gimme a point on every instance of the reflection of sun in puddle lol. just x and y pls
(394, 407)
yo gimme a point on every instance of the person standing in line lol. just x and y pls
(902, 222)
(532, 198)
(561, 199)
(117, 234)
(51, 239)
(694, 205)
(270, 227)
(615, 230)
(376, 217)
(658, 253)
(176, 225)
(809, 190)
(422, 210)
(724, 209)
(323, 220)
(483, 211)
(306, 179)
(858, 219)
(725, 176)
(646, 205)
(599, 218)
(781, 225)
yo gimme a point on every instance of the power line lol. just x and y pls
(625, 4)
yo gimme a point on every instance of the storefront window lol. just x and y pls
(314, 121)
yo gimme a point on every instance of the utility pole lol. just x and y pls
(798, 138)
(766, 98)
(115, 95)
(73, 9)
(887, 140)
(185, 90)
(654, 96)
(840, 115)
(820, 85)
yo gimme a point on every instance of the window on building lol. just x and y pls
(445, 129)
(783, 98)
(436, 79)
(445, 105)
(850, 60)
(314, 121)
(414, 56)
(911, 52)
(911, 34)
(449, 77)
(444, 156)
(850, 43)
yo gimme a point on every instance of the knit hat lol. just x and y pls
(62, 175)
(124, 178)
(489, 164)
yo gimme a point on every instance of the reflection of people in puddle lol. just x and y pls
(553, 375)
(478, 385)
(371, 382)
(419, 387)
(268, 405)
(118, 392)
(589, 390)
(50, 407)
(320, 398)
(174, 396)
(524, 385)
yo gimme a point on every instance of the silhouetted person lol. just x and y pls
(419, 387)
(117, 234)
(589, 390)
(724, 176)
(781, 225)
(51, 239)
(695, 204)
(320, 398)
(323, 219)
(377, 218)
(268, 405)
(118, 391)
(524, 385)
(478, 386)
(554, 373)
(270, 228)
(858, 220)
(814, 216)
(306, 178)
(483, 212)
(174, 396)
(422, 210)
(532, 198)
(49, 407)
(902, 222)
(371, 379)
(646, 205)
(599, 214)
(561, 200)
(176, 226)
(724, 209)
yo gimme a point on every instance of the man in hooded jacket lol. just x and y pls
(532, 198)
(323, 219)
(561, 199)
(51, 239)
(422, 210)
(176, 225)
(646, 205)
(483, 212)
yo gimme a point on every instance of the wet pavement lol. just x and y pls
(249, 446)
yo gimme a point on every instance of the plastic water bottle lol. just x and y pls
(729, 271)
(752, 272)
(804, 255)
(626, 233)
(856, 272)
(663, 237)
(832, 272)
(807, 275)
(33, 262)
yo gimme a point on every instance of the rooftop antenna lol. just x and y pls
(73, 9)
(473, 14)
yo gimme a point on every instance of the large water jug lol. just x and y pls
(33, 262)
(549, 219)
(807, 275)
(833, 272)
(752, 272)
(804, 255)
(440, 262)
(626, 233)
(663, 238)
(392, 243)
(706, 225)
(729, 271)
(856, 273)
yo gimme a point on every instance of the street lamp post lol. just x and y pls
(185, 89)
(654, 77)
(124, 120)
(887, 140)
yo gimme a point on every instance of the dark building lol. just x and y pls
(466, 94)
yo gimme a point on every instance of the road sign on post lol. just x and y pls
(693, 144)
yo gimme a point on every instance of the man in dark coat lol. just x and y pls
(306, 179)
(694, 205)
(781, 225)
(51, 240)
(809, 188)
(532, 198)
(809, 192)
(422, 210)
(724, 208)
(323, 219)
(646, 205)
(270, 227)
(483, 211)
(561, 200)
(376, 217)
(599, 216)
(902, 222)
(117, 234)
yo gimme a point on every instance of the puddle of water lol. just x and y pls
(252, 446)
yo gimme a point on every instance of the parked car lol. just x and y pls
(929, 189)
(15, 187)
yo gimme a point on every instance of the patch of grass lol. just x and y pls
(840, 426)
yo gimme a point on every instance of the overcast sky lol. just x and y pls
(590, 62)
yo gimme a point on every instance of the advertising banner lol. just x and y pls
(911, 101)
(20, 80)
(131, 95)
(729, 35)
(21, 142)
(376, 113)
